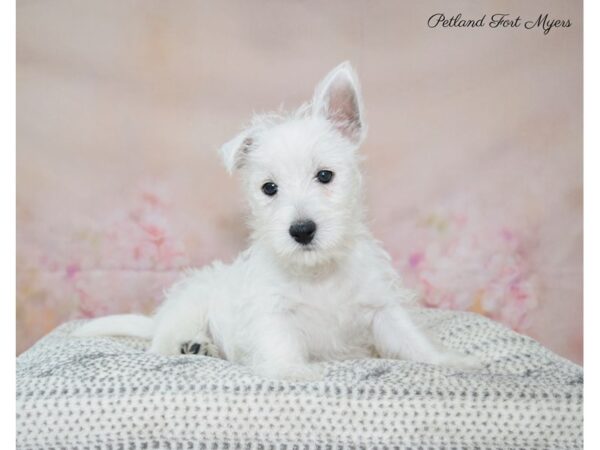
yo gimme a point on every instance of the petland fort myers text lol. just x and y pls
(543, 22)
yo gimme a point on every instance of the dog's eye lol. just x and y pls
(324, 176)
(269, 188)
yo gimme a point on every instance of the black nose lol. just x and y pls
(303, 231)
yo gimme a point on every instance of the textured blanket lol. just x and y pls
(107, 393)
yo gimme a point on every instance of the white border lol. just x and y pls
(7, 224)
(591, 179)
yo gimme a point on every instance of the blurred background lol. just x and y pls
(474, 152)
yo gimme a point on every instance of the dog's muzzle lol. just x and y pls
(303, 231)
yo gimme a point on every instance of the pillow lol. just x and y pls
(108, 393)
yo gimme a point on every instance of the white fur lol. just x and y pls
(281, 306)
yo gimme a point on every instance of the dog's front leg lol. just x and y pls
(397, 336)
(278, 351)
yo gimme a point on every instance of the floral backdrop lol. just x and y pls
(474, 154)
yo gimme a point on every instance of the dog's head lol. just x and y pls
(301, 173)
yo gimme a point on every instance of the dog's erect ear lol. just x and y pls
(338, 99)
(234, 152)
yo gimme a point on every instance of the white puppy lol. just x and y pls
(314, 285)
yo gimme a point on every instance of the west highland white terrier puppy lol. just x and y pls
(314, 285)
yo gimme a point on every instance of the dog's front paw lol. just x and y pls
(296, 372)
(200, 348)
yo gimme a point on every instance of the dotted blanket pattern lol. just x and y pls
(108, 393)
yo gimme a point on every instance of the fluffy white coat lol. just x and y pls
(283, 305)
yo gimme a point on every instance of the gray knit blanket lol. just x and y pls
(107, 393)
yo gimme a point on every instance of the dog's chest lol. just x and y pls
(332, 318)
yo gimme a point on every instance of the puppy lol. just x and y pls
(314, 285)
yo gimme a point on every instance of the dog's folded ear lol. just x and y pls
(338, 99)
(234, 151)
